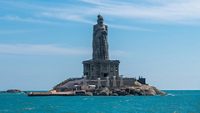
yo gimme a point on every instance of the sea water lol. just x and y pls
(174, 102)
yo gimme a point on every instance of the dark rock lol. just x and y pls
(80, 93)
(13, 91)
(120, 92)
(114, 94)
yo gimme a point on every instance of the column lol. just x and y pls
(98, 82)
(114, 81)
(107, 82)
(121, 81)
(84, 81)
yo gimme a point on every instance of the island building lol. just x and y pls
(99, 71)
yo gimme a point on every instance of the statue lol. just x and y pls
(100, 43)
(100, 66)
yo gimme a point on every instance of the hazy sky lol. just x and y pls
(44, 42)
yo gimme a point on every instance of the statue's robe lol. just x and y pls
(100, 43)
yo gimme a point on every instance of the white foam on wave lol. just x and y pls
(4, 110)
(85, 98)
(29, 108)
(169, 94)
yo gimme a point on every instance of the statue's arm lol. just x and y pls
(106, 29)
(94, 30)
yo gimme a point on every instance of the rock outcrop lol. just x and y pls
(13, 91)
(138, 90)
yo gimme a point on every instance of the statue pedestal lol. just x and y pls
(94, 69)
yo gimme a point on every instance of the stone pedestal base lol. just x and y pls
(94, 69)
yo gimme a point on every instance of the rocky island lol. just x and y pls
(101, 75)
(11, 91)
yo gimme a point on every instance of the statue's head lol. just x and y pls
(100, 19)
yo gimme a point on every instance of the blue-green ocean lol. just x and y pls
(174, 102)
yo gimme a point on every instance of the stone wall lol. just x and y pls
(126, 82)
(101, 69)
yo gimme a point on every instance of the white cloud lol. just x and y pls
(82, 19)
(96, 2)
(119, 53)
(165, 11)
(34, 49)
(5, 32)
(52, 15)
(66, 16)
(169, 10)
(125, 27)
(50, 49)
(26, 19)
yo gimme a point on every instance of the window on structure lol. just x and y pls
(111, 68)
(116, 68)
(86, 73)
(105, 74)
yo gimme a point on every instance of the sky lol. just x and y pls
(44, 42)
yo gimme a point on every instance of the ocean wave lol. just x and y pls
(4, 110)
(169, 94)
(28, 108)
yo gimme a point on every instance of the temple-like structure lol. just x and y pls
(100, 74)
(100, 66)
(99, 71)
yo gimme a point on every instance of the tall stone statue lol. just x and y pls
(100, 43)
(100, 66)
